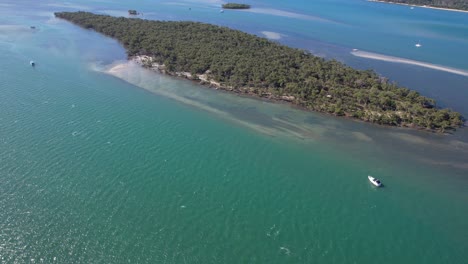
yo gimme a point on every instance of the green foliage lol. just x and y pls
(255, 65)
(454, 4)
(236, 6)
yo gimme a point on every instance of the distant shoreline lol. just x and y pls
(423, 6)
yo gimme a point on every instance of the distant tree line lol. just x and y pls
(235, 6)
(257, 66)
(454, 4)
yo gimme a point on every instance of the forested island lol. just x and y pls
(450, 4)
(235, 6)
(239, 62)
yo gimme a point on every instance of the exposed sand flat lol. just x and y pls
(423, 6)
(272, 35)
(381, 57)
(130, 71)
(117, 69)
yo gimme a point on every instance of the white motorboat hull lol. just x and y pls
(374, 181)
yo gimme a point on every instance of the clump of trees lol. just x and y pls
(453, 4)
(235, 6)
(253, 65)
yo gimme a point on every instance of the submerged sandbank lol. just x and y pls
(271, 124)
(283, 122)
(133, 73)
(381, 57)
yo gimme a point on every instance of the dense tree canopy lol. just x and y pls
(235, 6)
(250, 64)
(454, 4)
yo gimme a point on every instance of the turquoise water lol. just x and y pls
(100, 166)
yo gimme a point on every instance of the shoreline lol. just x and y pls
(306, 81)
(202, 80)
(423, 6)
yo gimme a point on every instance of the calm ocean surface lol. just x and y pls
(102, 161)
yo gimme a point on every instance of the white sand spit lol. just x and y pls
(381, 57)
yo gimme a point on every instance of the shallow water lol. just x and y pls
(149, 169)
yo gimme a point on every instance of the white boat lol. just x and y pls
(374, 181)
(417, 45)
(32, 63)
(221, 11)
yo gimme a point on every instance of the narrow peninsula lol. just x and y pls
(235, 6)
(243, 63)
(440, 4)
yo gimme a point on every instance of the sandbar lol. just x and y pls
(381, 57)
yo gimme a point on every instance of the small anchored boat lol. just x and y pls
(374, 181)
(32, 63)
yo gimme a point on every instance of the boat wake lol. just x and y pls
(381, 57)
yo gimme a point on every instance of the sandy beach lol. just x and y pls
(424, 6)
(132, 72)
(381, 57)
(272, 35)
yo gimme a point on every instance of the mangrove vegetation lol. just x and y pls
(235, 6)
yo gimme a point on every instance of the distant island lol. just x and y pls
(443, 4)
(235, 61)
(235, 6)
